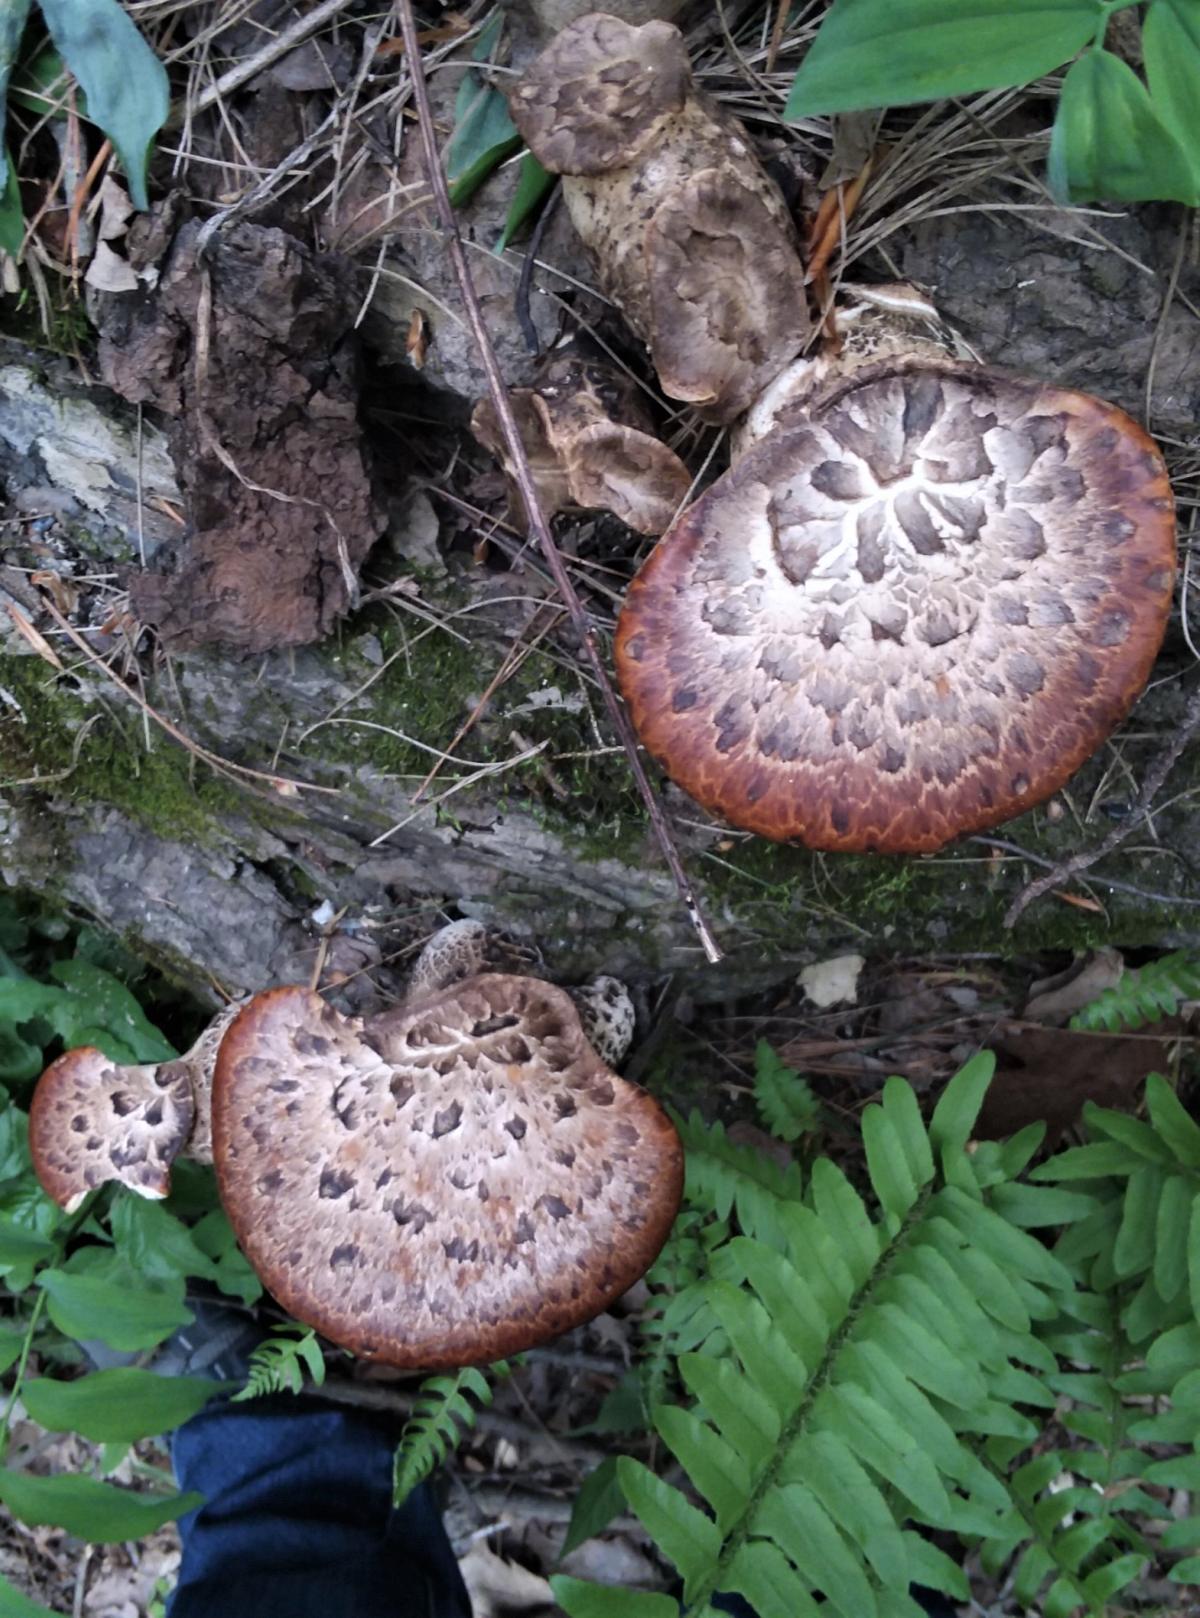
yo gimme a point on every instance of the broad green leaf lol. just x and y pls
(231, 1268)
(13, 16)
(900, 1105)
(715, 1468)
(533, 183)
(21, 1059)
(1100, 1587)
(1133, 1251)
(100, 1513)
(20, 1246)
(1171, 48)
(691, 1540)
(763, 1575)
(792, 1516)
(1170, 1117)
(155, 1243)
(1108, 142)
(94, 999)
(122, 1310)
(117, 1406)
(598, 1501)
(844, 1215)
(14, 1605)
(1185, 1572)
(891, 1177)
(11, 1344)
(959, 1105)
(883, 53)
(125, 83)
(580, 1599)
(1194, 1256)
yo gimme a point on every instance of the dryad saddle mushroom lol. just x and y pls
(443, 1184)
(910, 610)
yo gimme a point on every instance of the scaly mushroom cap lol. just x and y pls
(92, 1121)
(908, 613)
(691, 238)
(599, 92)
(444, 1185)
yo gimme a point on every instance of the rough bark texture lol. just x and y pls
(220, 880)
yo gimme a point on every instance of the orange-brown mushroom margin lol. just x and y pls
(445, 1185)
(909, 612)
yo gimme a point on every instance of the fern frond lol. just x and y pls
(726, 1179)
(785, 1100)
(279, 1365)
(865, 1364)
(1144, 995)
(444, 1412)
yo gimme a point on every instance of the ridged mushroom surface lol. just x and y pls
(444, 1185)
(691, 238)
(909, 613)
(91, 1121)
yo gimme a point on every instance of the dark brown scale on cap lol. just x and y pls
(598, 94)
(447, 1184)
(908, 613)
(91, 1121)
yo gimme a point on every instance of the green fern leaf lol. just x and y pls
(1143, 996)
(443, 1412)
(726, 1179)
(580, 1599)
(785, 1100)
(279, 1364)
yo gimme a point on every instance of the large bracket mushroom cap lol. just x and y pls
(92, 1121)
(447, 1184)
(599, 92)
(910, 612)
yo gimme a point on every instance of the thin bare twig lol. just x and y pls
(283, 42)
(528, 490)
(1086, 858)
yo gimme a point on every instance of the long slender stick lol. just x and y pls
(528, 491)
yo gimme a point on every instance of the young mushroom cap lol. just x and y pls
(599, 92)
(909, 612)
(691, 238)
(91, 1121)
(444, 1185)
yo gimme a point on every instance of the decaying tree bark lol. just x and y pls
(231, 872)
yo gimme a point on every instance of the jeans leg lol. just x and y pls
(298, 1520)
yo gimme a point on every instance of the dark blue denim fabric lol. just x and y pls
(298, 1521)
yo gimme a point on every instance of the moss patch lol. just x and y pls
(99, 755)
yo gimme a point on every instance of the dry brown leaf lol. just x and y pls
(1048, 1073)
(1055, 999)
